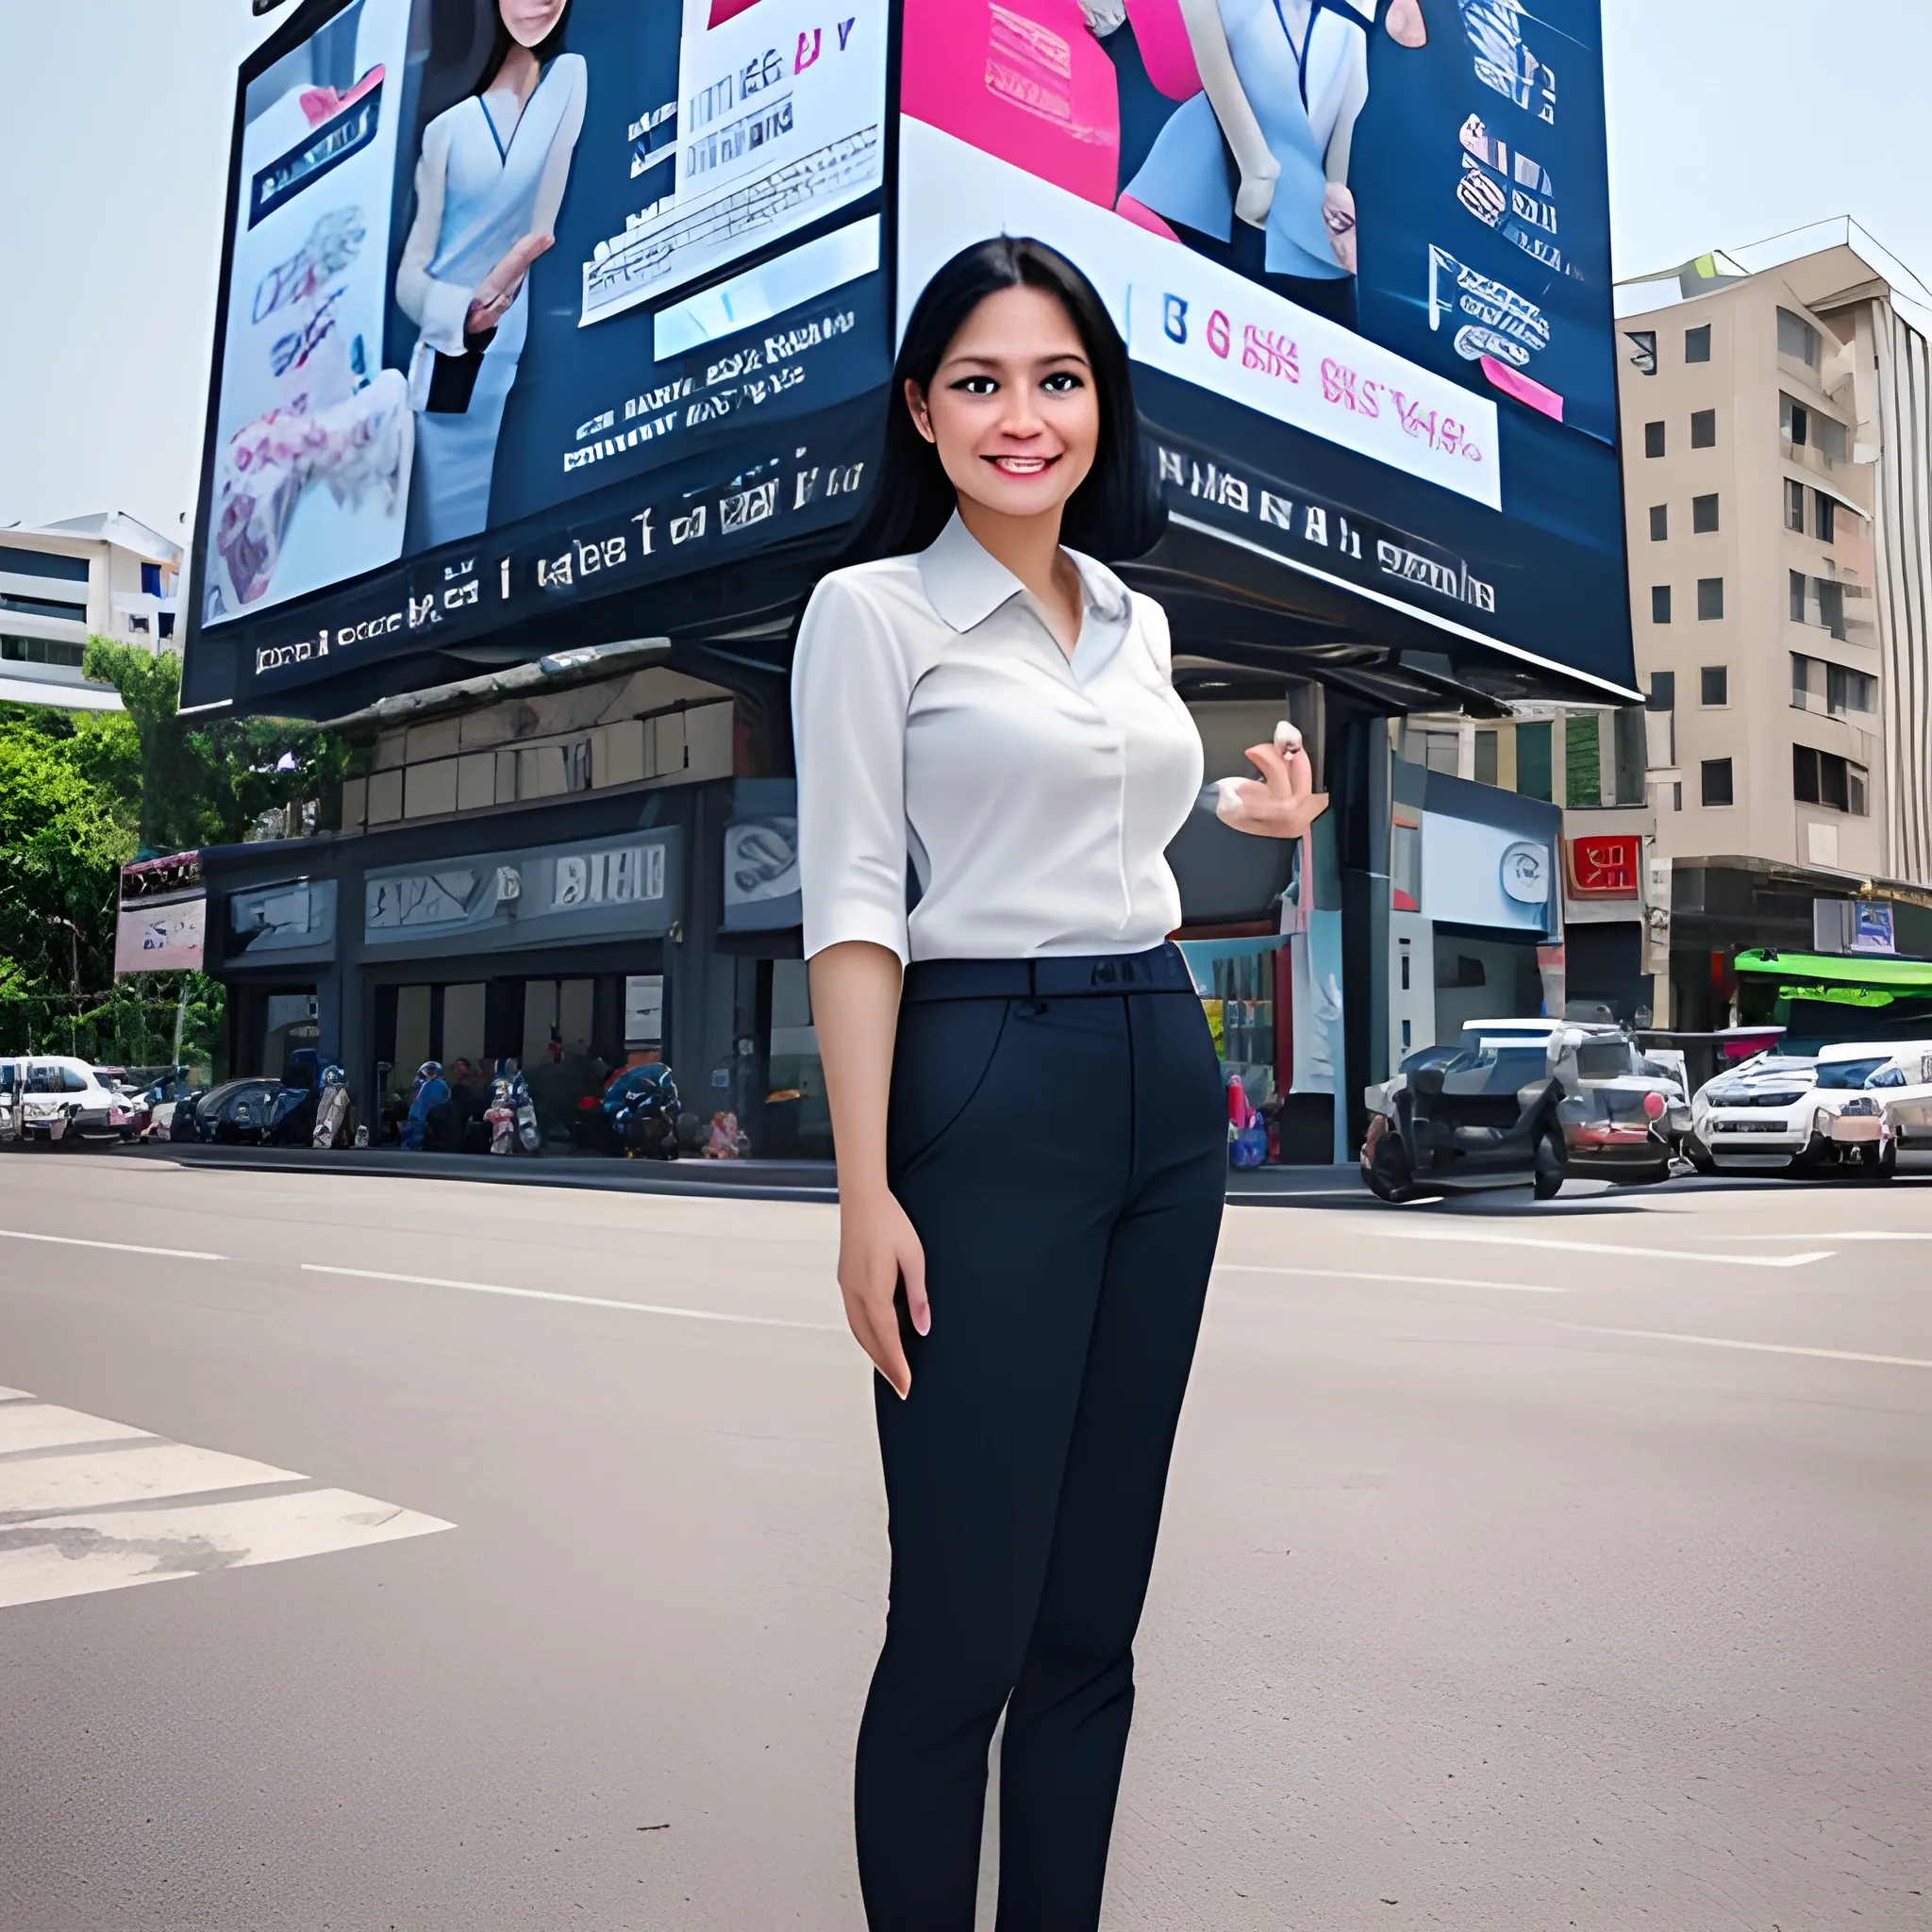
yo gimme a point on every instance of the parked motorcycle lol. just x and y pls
(332, 1110)
(641, 1110)
(511, 1113)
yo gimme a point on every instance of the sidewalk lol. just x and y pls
(745, 1181)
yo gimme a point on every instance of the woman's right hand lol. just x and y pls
(878, 1250)
(500, 286)
(1257, 193)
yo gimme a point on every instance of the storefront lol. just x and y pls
(1476, 921)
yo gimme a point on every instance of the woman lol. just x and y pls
(489, 184)
(1026, 1102)
(1282, 83)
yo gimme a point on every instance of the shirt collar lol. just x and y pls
(965, 583)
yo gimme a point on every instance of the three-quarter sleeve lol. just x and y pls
(851, 687)
(438, 308)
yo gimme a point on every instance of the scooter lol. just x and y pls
(332, 1110)
(511, 1112)
(643, 1109)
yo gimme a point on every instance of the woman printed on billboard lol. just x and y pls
(1026, 1102)
(1281, 84)
(489, 183)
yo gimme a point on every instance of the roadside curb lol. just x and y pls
(734, 1180)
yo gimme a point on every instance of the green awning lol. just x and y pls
(1832, 969)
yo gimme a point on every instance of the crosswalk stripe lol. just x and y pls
(45, 1485)
(45, 1425)
(80, 1554)
(90, 1504)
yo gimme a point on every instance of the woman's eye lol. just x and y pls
(1063, 382)
(977, 385)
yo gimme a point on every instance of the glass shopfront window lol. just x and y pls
(798, 1121)
(1237, 982)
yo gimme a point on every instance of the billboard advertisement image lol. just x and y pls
(1360, 251)
(525, 293)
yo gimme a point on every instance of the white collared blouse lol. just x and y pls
(939, 724)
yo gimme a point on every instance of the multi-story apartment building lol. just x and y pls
(1778, 486)
(101, 575)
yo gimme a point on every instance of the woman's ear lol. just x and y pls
(922, 416)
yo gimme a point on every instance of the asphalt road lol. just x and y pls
(1525, 1567)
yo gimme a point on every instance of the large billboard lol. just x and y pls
(530, 299)
(1359, 250)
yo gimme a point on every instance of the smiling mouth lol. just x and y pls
(1022, 466)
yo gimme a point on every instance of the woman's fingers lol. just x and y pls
(913, 1273)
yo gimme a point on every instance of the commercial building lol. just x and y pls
(552, 610)
(101, 575)
(1778, 485)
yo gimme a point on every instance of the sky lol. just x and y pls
(1730, 121)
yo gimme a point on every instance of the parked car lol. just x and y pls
(1762, 1115)
(53, 1099)
(1523, 1104)
(255, 1111)
(167, 1088)
(1867, 1096)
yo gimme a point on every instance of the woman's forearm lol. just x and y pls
(1223, 87)
(855, 1008)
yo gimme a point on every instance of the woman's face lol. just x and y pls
(530, 21)
(1013, 409)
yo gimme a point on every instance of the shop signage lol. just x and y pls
(628, 886)
(761, 891)
(161, 939)
(161, 878)
(644, 1010)
(297, 917)
(1526, 872)
(1605, 865)
(1871, 927)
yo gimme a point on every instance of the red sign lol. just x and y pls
(1605, 865)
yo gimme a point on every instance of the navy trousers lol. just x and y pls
(1063, 1159)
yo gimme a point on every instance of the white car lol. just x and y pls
(1874, 1099)
(1759, 1114)
(51, 1099)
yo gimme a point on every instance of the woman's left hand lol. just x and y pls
(1338, 216)
(1283, 802)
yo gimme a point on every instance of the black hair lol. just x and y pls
(1117, 512)
(546, 50)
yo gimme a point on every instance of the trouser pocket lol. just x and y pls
(945, 1050)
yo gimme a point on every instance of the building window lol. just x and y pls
(1704, 429)
(1710, 598)
(1831, 606)
(1797, 596)
(1822, 777)
(137, 621)
(1797, 339)
(1677, 794)
(1659, 603)
(42, 607)
(1714, 685)
(41, 650)
(1794, 420)
(1653, 439)
(1717, 781)
(1533, 761)
(1826, 511)
(1843, 690)
(1802, 676)
(1794, 506)
(167, 623)
(1663, 691)
(151, 580)
(42, 563)
(1697, 344)
(1583, 768)
(1828, 434)
(1487, 763)
(1703, 515)
(1659, 522)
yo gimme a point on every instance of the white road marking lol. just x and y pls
(43, 1485)
(1860, 1234)
(69, 1528)
(44, 1426)
(1828, 1354)
(1410, 1280)
(78, 1555)
(1612, 1249)
(582, 1301)
(72, 1241)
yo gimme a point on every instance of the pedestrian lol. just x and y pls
(987, 730)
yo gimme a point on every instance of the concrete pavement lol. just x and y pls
(1523, 1567)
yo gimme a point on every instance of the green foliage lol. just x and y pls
(208, 784)
(79, 793)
